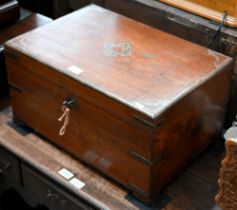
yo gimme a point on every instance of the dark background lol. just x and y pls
(11, 200)
(44, 7)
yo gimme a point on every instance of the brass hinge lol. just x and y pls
(144, 122)
(140, 158)
(143, 160)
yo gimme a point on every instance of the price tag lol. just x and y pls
(66, 174)
(77, 183)
(231, 133)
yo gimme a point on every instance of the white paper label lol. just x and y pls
(65, 173)
(77, 183)
(231, 133)
(74, 69)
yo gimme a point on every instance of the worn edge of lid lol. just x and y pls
(201, 81)
(153, 115)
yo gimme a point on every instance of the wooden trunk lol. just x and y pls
(141, 103)
(211, 9)
(9, 12)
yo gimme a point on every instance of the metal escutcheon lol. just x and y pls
(70, 102)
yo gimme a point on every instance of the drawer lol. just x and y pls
(49, 193)
(9, 169)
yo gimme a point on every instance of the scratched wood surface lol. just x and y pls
(194, 189)
(114, 63)
(186, 25)
(129, 86)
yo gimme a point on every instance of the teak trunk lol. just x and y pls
(141, 103)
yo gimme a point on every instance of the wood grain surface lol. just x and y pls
(188, 26)
(132, 110)
(156, 57)
(194, 189)
(219, 5)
